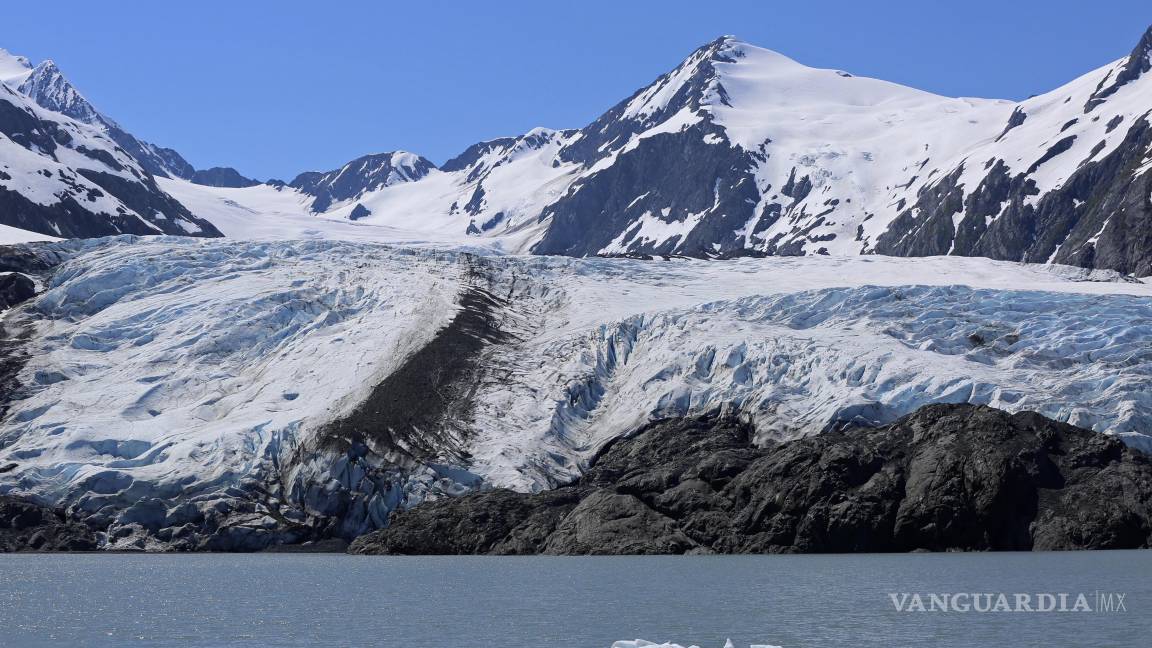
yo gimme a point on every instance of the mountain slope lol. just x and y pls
(764, 155)
(63, 178)
(48, 87)
(360, 176)
(742, 151)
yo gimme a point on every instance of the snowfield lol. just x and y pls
(169, 377)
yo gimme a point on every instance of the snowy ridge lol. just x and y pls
(362, 175)
(740, 150)
(63, 178)
(48, 87)
(202, 373)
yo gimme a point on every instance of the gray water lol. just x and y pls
(478, 602)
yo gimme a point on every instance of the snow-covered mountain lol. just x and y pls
(763, 154)
(301, 380)
(46, 85)
(743, 151)
(63, 178)
(229, 394)
(360, 176)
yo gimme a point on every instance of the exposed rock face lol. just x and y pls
(15, 288)
(358, 212)
(62, 178)
(222, 177)
(25, 526)
(605, 212)
(1097, 219)
(948, 477)
(48, 87)
(360, 176)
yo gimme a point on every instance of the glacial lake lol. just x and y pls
(480, 602)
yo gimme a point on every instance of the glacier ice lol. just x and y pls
(171, 383)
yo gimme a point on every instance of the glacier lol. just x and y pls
(185, 393)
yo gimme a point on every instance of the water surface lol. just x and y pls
(480, 602)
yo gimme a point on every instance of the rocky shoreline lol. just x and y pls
(945, 478)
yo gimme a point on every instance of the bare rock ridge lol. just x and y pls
(947, 477)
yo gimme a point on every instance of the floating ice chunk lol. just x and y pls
(640, 643)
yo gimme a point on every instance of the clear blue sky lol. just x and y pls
(275, 88)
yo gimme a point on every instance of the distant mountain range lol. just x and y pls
(737, 151)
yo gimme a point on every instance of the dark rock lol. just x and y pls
(360, 176)
(948, 477)
(670, 176)
(222, 177)
(1017, 118)
(1138, 62)
(15, 288)
(359, 211)
(26, 526)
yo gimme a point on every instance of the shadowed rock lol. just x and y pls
(948, 477)
(25, 526)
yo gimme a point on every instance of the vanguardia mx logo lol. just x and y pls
(982, 602)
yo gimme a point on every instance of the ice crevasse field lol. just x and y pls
(175, 366)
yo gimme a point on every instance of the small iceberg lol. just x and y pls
(640, 643)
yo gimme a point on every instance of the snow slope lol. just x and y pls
(190, 372)
(9, 235)
(271, 213)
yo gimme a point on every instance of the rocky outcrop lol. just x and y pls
(25, 526)
(1098, 218)
(360, 176)
(15, 288)
(222, 177)
(948, 477)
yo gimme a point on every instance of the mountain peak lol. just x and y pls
(48, 86)
(723, 43)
